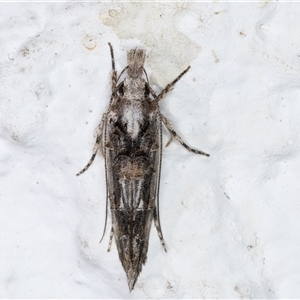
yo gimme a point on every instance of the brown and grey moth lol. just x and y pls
(130, 138)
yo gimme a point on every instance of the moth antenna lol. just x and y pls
(105, 223)
(158, 228)
(122, 73)
(146, 75)
(148, 85)
(156, 210)
(105, 165)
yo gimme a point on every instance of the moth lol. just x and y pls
(130, 139)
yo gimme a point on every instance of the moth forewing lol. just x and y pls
(130, 138)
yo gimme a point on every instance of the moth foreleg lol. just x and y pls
(96, 147)
(169, 87)
(99, 137)
(158, 228)
(98, 133)
(110, 239)
(169, 125)
(152, 91)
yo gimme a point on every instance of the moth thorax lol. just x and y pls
(134, 88)
(135, 60)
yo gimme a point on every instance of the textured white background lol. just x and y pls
(231, 221)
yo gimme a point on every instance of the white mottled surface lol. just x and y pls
(231, 221)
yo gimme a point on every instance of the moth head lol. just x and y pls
(135, 60)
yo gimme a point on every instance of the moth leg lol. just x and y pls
(152, 91)
(98, 144)
(98, 133)
(170, 140)
(169, 87)
(177, 137)
(110, 239)
(114, 73)
(158, 228)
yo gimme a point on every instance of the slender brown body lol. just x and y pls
(129, 136)
(132, 160)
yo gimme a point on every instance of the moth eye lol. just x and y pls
(121, 89)
(147, 91)
(121, 126)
